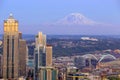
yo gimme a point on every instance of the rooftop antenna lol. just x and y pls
(11, 14)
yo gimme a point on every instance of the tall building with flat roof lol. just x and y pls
(22, 57)
(1, 63)
(49, 55)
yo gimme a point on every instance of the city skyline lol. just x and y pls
(35, 16)
(86, 58)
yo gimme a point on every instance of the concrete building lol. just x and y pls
(1, 63)
(22, 57)
(48, 55)
(13, 52)
(47, 73)
(10, 49)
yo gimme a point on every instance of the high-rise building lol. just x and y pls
(12, 49)
(49, 55)
(22, 57)
(47, 73)
(43, 60)
(1, 62)
(39, 55)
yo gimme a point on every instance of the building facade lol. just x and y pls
(22, 57)
(47, 73)
(49, 55)
(43, 59)
(10, 49)
(11, 42)
(1, 64)
(39, 54)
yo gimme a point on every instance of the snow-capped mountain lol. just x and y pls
(75, 18)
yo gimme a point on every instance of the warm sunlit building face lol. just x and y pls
(11, 49)
(10, 25)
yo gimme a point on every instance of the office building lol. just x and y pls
(43, 60)
(13, 51)
(10, 49)
(48, 55)
(1, 63)
(39, 54)
(47, 73)
(22, 57)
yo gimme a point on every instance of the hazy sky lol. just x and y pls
(32, 13)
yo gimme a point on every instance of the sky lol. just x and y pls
(32, 14)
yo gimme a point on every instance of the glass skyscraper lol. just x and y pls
(43, 69)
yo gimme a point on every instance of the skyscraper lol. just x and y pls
(49, 55)
(39, 55)
(11, 46)
(22, 57)
(43, 60)
(1, 62)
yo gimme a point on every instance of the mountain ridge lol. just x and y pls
(75, 19)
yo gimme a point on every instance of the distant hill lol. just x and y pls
(32, 36)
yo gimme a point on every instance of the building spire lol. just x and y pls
(11, 16)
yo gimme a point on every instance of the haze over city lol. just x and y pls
(74, 17)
